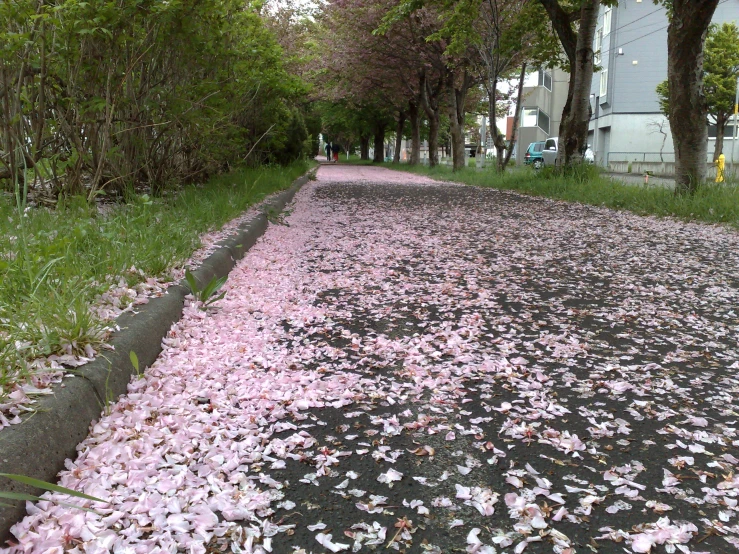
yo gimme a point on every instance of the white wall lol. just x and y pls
(636, 134)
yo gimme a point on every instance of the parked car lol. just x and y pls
(551, 146)
(533, 155)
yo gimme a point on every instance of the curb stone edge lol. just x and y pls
(39, 446)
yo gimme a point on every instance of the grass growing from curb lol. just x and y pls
(712, 203)
(53, 264)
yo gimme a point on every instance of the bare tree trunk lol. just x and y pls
(41, 112)
(459, 159)
(516, 115)
(9, 145)
(498, 139)
(573, 134)
(457, 96)
(399, 136)
(434, 139)
(379, 143)
(500, 147)
(686, 36)
(430, 103)
(364, 141)
(415, 116)
(573, 129)
(721, 121)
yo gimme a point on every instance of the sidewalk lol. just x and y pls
(432, 368)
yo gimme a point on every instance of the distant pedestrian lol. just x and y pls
(327, 148)
(335, 148)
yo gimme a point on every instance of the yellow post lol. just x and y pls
(720, 164)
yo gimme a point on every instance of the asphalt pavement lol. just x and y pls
(424, 367)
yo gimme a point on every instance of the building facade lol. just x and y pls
(544, 97)
(631, 54)
(631, 57)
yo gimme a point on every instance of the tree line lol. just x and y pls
(100, 96)
(411, 65)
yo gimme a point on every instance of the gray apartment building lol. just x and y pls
(626, 126)
(544, 97)
(631, 50)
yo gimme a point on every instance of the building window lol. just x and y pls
(607, 21)
(534, 117)
(728, 130)
(528, 117)
(603, 85)
(598, 46)
(545, 79)
(543, 122)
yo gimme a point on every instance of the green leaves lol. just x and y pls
(107, 95)
(134, 362)
(44, 486)
(720, 67)
(206, 295)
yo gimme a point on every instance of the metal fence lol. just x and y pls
(657, 157)
(659, 163)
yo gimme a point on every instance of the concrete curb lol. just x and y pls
(39, 445)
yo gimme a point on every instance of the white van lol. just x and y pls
(551, 147)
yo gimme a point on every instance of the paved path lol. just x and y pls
(433, 368)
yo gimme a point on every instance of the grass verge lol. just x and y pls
(54, 264)
(712, 203)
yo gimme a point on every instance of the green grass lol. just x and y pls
(712, 203)
(53, 264)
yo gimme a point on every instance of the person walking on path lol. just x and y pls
(327, 148)
(335, 148)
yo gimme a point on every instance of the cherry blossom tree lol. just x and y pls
(376, 72)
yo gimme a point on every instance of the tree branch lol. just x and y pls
(562, 24)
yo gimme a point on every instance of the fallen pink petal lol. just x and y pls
(419, 366)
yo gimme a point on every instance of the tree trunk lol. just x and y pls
(430, 103)
(457, 96)
(9, 144)
(399, 136)
(434, 139)
(364, 147)
(459, 159)
(379, 144)
(498, 139)
(516, 115)
(573, 130)
(721, 121)
(415, 116)
(500, 148)
(686, 36)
